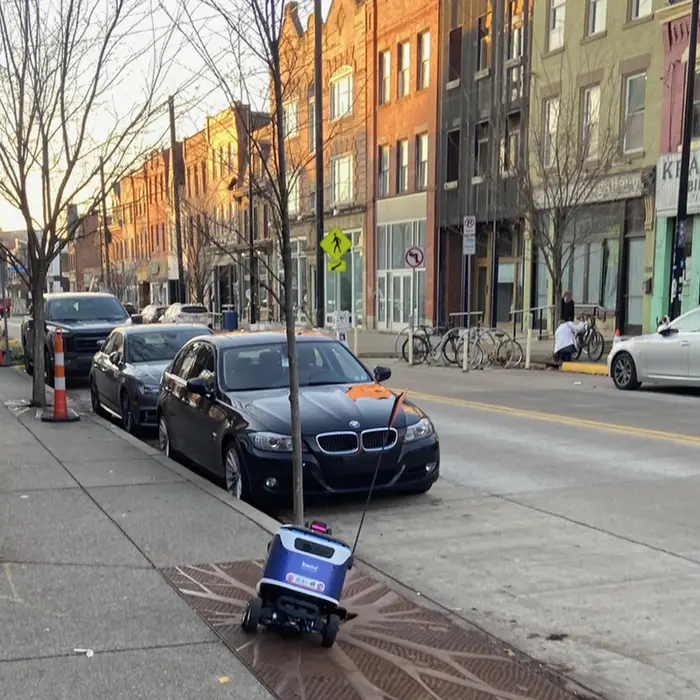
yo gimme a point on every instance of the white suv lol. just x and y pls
(186, 313)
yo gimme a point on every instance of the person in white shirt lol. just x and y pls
(565, 340)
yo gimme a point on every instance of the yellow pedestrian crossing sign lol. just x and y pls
(335, 244)
(336, 265)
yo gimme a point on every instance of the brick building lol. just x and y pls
(402, 40)
(83, 257)
(347, 66)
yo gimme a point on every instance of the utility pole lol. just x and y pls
(176, 204)
(318, 103)
(678, 270)
(251, 226)
(107, 234)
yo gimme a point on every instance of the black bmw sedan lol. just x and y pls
(224, 404)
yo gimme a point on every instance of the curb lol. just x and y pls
(594, 368)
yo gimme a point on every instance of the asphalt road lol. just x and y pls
(14, 326)
(565, 522)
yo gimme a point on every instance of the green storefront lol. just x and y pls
(667, 177)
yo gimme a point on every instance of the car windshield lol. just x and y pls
(266, 366)
(78, 309)
(158, 345)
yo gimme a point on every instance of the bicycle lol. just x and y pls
(591, 339)
(423, 348)
(505, 350)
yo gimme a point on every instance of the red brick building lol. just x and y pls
(401, 126)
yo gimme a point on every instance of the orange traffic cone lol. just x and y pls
(60, 414)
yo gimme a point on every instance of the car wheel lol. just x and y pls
(128, 422)
(164, 437)
(28, 366)
(624, 372)
(48, 369)
(234, 473)
(95, 399)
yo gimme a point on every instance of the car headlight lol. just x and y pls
(272, 442)
(422, 429)
(148, 389)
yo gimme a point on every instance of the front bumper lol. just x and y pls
(144, 407)
(406, 467)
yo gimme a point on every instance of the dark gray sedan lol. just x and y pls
(126, 372)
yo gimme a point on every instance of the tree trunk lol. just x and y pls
(39, 337)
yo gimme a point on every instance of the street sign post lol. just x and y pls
(468, 249)
(414, 258)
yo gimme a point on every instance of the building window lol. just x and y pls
(481, 151)
(551, 125)
(455, 56)
(403, 69)
(515, 31)
(423, 61)
(230, 159)
(341, 94)
(312, 118)
(293, 193)
(402, 166)
(484, 27)
(341, 179)
(640, 8)
(695, 134)
(384, 77)
(383, 172)
(312, 199)
(222, 172)
(635, 99)
(590, 123)
(510, 149)
(597, 10)
(421, 162)
(290, 120)
(452, 164)
(557, 21)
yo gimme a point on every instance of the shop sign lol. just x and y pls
(668, 174)
(608, 189)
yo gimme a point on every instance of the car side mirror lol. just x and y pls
(115, 358)
(136, 318)
(664, 329)
(382, 374)
(199, 386)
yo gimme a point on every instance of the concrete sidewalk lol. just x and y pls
(104, 542)
(85, 520)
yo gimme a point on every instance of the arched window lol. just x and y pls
(341, 93)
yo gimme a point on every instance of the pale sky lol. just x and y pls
(197, 94)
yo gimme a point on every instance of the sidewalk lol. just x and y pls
(104, 542)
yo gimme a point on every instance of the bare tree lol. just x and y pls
(266, 71)
(201, 257)
(574, 144)
(123, 278)
(60, 69)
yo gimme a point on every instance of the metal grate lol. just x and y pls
(338, 443)
(377, 439)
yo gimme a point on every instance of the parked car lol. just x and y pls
(126, 371)
(130, 308)
(186, 313)
(152, 313)
(224, 405)
(85, 318)
(669, 356)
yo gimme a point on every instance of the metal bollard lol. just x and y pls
(465, 353)
(410, 345)
(528, 346)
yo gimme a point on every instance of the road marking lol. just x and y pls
(680, 438)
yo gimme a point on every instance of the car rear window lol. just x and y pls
(194, 310)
